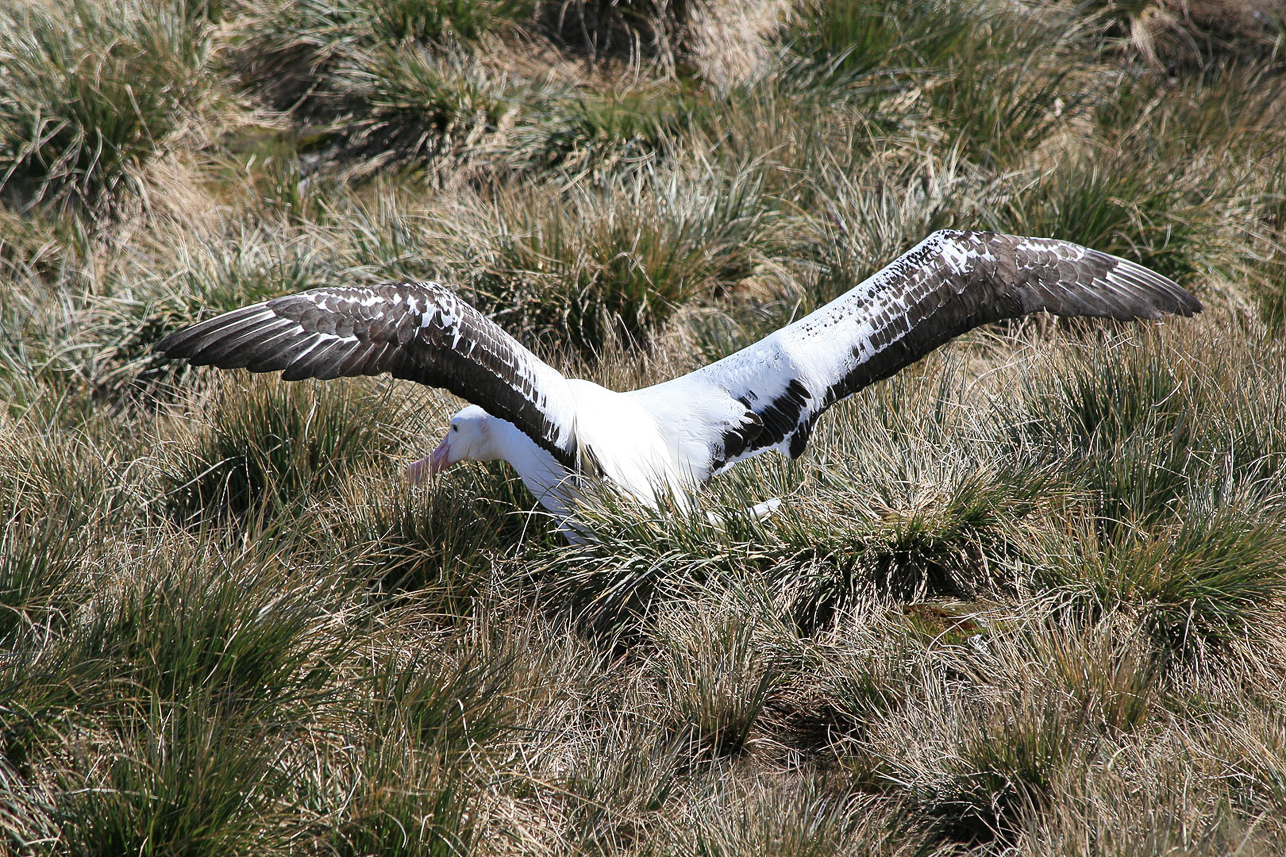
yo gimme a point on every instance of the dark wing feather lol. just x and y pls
(422, 332)
(948, 284)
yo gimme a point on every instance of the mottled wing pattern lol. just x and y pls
(422, 332)
(948, 284)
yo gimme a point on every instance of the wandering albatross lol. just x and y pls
(669, 439)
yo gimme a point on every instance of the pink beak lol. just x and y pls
(440, 460)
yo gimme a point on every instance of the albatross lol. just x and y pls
(668, 440)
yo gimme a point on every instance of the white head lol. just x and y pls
(470, 436)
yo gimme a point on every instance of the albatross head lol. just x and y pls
(469, 437)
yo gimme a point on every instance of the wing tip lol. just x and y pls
(1161, 294)
(170, 344)
(1148, 294)
(189, 342)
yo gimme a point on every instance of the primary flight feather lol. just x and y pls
(669, 439)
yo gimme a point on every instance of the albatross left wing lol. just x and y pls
(948, 284)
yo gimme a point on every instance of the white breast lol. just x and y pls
(629, 444)
(626, 441)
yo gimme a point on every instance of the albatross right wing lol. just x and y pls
(949, 283)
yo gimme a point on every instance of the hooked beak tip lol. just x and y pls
(440, 460)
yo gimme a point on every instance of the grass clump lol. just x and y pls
(1151, 432)
(183, 779)
(38, 560)
(90, 96)
(1199, 592)
(654, 30)
(814, 818)
(231, 630)
(611, 261)
(411, 784)
(419, 105)
(271, 449)
(56, 498)
(434, 543)
(182, 680)
(717, 680)
(631, 772)
(855, 37)
(587, 130)
(1006, 770)
(1180, 36)
(1115, 204)
(297, 53)
(1110, 673)
(439, 20)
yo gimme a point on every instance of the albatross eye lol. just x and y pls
(455, 428)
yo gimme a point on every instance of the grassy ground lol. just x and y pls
(1024, 598)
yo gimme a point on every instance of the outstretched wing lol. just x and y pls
(418, 331)
(946, 285)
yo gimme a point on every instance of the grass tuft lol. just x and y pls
(411, 782)
(716, 679)
(187, 779)
(436, 21)
(271, 447)
(419, 104)
(855, 37)
(90, 96)
(620, 29)
(436, 543)
(1186, 35)
(611, 260)
(1200, 590)
(1116, 203)
(1007, 768)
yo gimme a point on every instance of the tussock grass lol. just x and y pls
(623, 126)
(271, 450)
(1196, 592)
(408, 784)
(852, 38)
(1113, 202)
(420, 104)
(716, 680)
(40, 563)
(1024, 598)
(89, 97)
(1003, 773)
(1109, 673)
(186, 789)
(611, 258)
(1170, 34)
(810, 819)
(295, 53)
(435, 544)
(437, 20)
(653, 30)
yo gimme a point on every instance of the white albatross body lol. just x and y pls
(615, 424)
(667, 440)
